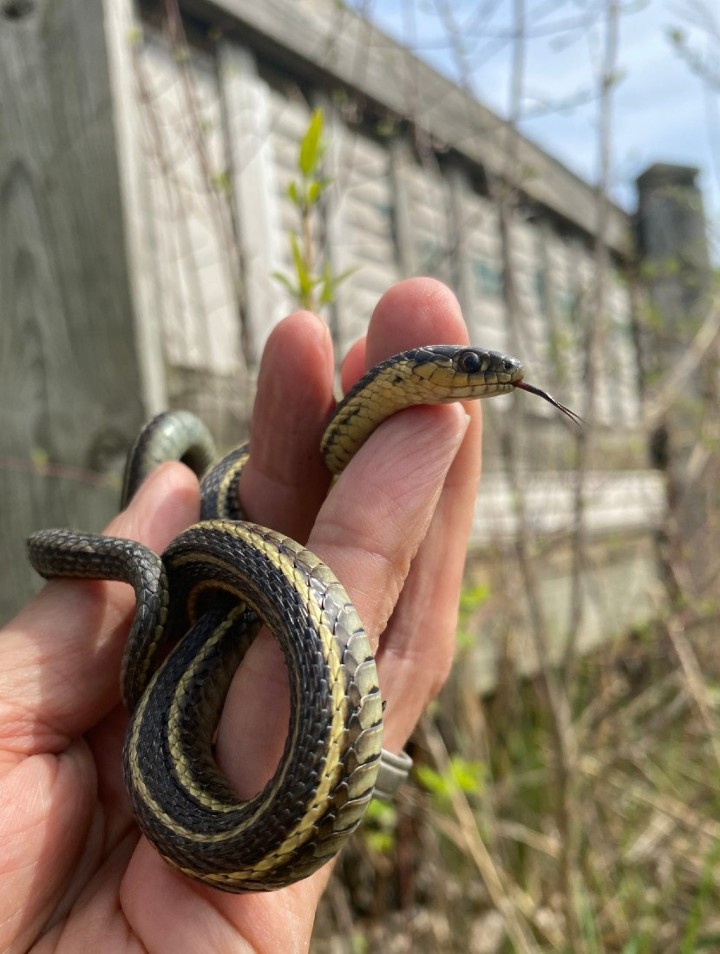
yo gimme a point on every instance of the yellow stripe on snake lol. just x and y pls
(199, 607)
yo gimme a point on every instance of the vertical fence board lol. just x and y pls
(69, 380)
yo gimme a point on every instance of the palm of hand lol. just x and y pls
(74, 874)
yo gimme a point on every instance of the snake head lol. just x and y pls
(458, 372)
(483, 373)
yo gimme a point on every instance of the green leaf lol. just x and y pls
(222, 182)
(298, 260)
(339, 279)
(313, 193)
(359, 943)
(380, 841)
(293, 195)
(468, 776)
(306, 281)
(39, 458)
(286, 283)
(473, 597)
(327, 285)
(311, 147)
(430, 780)
(461, 775)
(330, 283)
(382, 814)
(379, 830)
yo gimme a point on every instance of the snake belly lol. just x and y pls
(198, 609)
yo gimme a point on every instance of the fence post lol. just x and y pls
(70, 384)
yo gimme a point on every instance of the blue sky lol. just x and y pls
(662, 111)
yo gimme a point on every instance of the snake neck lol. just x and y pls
(387, 389)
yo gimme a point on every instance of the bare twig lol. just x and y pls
(693, 355)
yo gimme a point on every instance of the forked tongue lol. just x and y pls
(575, 418)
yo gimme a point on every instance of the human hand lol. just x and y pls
(74, 874)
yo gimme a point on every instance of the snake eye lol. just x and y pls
(469, 362)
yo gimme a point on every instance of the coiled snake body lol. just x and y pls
(199, 607)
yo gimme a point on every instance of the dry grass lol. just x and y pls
(470, 861)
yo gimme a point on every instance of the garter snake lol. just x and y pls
(198, 609)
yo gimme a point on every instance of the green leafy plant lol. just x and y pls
(472, 597)
(461, 775)
(380, 827)
(309, 287)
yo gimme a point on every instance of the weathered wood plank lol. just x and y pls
(247, 110)
(327, 36)
(69, 386)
